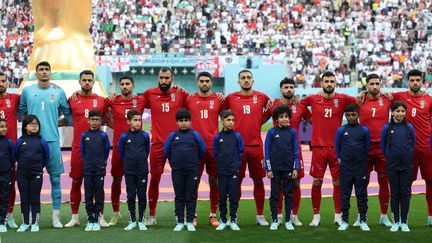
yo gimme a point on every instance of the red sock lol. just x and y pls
(12, 195)
(280, 203)
(384, 193)
(429, 196)
(153, 193)
(214, 197)
(259, 195)
(296, 199)
(336, 198)
(115, 196)
(75, 195)
(316, 198)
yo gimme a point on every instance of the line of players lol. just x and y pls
(251, 109)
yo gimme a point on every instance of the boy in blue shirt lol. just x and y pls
(184, 149)
(281, 163)
(134, 148)
(352, 143)
(228, 147)
(95, 147)
(7, 161)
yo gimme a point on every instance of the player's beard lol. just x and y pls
(126, 92)
(204, 89)
(415, 88)
(328, 90)
(374, 92)
(288, 95)
(164, 87)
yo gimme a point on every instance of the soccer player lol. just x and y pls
(8, 111)
(374, 112)
(163, 101)
(352, 143)
(299, 112)
(327, 112)
(120, 105)
(418, 113)
(205, 107)
(248, 107)
(80, 106)
(45, 100)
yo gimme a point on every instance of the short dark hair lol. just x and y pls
(131, 113)
(286, 81)
(183, 114)
(167, 69)
(205, 74)
(128, 78)
(27, 120)
(94, 113)
(414, 72)
(2, 119)
(86, 72)
(225, 113)
(2, 74)
(245, 71)
(281, 109)
(327, 74)
(43, 63)
(352, 108)
(372, 76)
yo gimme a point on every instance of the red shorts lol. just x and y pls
(76, 164)
(157, 159)
(301, 170)
(253, 157)
(423, 160)
(116, 163)
(210, 164)
(376, 160)
(321, 157)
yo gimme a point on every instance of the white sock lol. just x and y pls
(75, 216)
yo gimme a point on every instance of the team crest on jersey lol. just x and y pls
(211, 104)
(52, 98)
(380, 101)
(422, 104)
(134, 103)
(294, 109)
(336, 102)
(173, 97)
(8, 103)
(255, 99)
(94, 102)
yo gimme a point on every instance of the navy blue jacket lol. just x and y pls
(94, 147)
(399, 154)
(184, 149)
(228, 148)
(134, 148)
(32, 154)
(281, 150)
(7, 157)
(352, 144)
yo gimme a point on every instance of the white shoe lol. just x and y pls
(115, 219)
(295, 220)
(34, 228)
(190, 227)
(3, 228)
(357, 222)
(261, 221)
(89, 227)
(141, 226)
(234, 226)
(11, 222)
(130, 226)
(102, 222)
(73, 222)
(289, 225)
(179, 227)
(221, 226)
(96, 227)
(344, 226)
(395, 227)
(274, 225)
(316, 220)
(385, 221)
(151, 221)
(338, 219)
(56, 219)
(404, 227)
(23, 228)
(279, 219)
(364, 226)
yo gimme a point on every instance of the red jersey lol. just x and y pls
(9, 111)
(205, 115)
(418, 113)
(248, 112)
(327, 114)
(119, 108)
(80, 109)
(163, 107)
(374, 114)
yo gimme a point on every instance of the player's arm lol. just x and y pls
(306, 101)
(22, 107)
(107, 117)
(338, 142)
(267, 111)
(384, 139)
(64, 108)
(202, 148)
(307, 115)
(147, 143)
(267, 150)
(167, 146)
(46, 152)
(107, 146)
